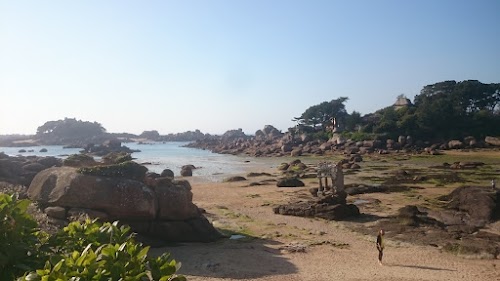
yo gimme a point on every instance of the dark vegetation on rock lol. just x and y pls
(129, 170)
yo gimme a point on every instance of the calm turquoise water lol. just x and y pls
(170, 155)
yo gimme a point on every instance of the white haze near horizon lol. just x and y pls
(175, 66)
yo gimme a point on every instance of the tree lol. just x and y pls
(70, 129)
(320, 115)
(150, 135)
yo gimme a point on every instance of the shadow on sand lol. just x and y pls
(364, 217)
(236, 259)
(421, 267)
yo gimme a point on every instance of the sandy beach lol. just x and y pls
(276, 247)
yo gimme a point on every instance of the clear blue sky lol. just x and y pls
(215, 65)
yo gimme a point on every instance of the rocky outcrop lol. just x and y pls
(107, 147)
(330, 207)
(162, 209)
(21, 170)
(271, 142)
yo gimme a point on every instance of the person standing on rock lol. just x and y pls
(380, 245)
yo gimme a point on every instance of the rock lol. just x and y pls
(355, 167)
(43, 150)
(253, 174)
(115, 157)
(314, 191)
(129, 169)
(175, 201)
(49, 161)
(21, 150)
(337, 212)
(34, 167)
(113, 144)
(332, 207)
(455, 144)
(167, 173)
(56, 212)
(353, 190)
(411, 215)
(286, 148)
(481, 205)
(352, 150)
(283, 166)
(235, 179)
(186, 172)
(470, 141)
(289, 182)
(79, 160)
(402, 140)
(325, 146)
(150, 178)
(118, 197)
(495, 141)
(92, 214)
(296, 152)
(356, 158)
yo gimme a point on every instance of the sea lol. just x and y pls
(168, 155)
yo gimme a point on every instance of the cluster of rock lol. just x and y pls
(22, 169)
(155, 206)
(109, 146)
(458, 226)
(271, 142)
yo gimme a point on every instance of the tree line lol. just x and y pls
(444, 110)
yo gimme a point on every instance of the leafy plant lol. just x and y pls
(87, 250)
(19, 238)
(109, 253)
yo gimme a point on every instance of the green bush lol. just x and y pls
(86, 250)
(126, 261)
(19, 238)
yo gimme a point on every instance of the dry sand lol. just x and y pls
(280, 247)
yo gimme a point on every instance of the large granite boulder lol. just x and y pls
(162, 209)
(175, 201)
(118, 197)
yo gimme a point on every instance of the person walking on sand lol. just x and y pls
(380, 245)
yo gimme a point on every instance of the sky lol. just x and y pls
(215, 65)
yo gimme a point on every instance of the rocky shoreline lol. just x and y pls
(270, 142)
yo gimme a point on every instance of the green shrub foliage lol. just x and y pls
(83, 251)
(18, 238)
